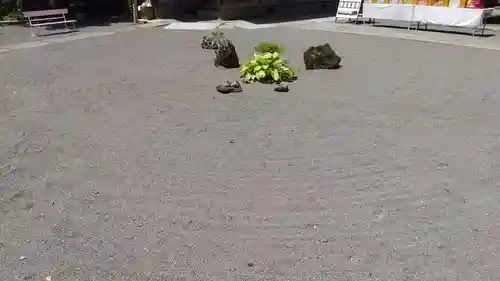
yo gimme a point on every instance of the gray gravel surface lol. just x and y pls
(120, 161)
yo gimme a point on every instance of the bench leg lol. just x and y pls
(33, 32)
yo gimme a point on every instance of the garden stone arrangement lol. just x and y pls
(225, 52)
(225, 55)
(321, 57)
(267, 65)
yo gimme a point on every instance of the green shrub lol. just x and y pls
(266, 47)
(267, 68)
(10, 10)
(12, 16)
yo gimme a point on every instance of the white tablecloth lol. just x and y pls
(388, 11)
(461, 17)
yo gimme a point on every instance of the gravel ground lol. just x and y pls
(119, 161)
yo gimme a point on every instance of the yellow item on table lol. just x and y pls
(439, 3)
(409, 2)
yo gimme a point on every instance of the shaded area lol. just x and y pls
(265, 13)
(16, 34)
(285, 13)
(495, 19)
(89, 15)
(101, 12)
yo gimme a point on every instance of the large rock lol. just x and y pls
(225, 55)
(321, 57)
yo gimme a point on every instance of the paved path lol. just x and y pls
(121, 166)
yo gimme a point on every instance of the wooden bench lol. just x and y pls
(46, 18)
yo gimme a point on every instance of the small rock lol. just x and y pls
(231, 141)
(48, 278)
(22, 258)
(441, 166)
(250, 264)
(29, 206)
(29, 276)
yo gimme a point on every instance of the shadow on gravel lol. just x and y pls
(279, 13)
(20, 33)
(103, 21)
(493, 20)
(284, 13)
(55, 32)
(61, 29)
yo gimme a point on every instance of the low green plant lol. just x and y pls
(266, 47)
(217, 33)
(267, 68)
(12, 16)
(10, 11)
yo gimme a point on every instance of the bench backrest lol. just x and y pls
(45, 13)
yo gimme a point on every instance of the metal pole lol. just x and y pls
(134, 11)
